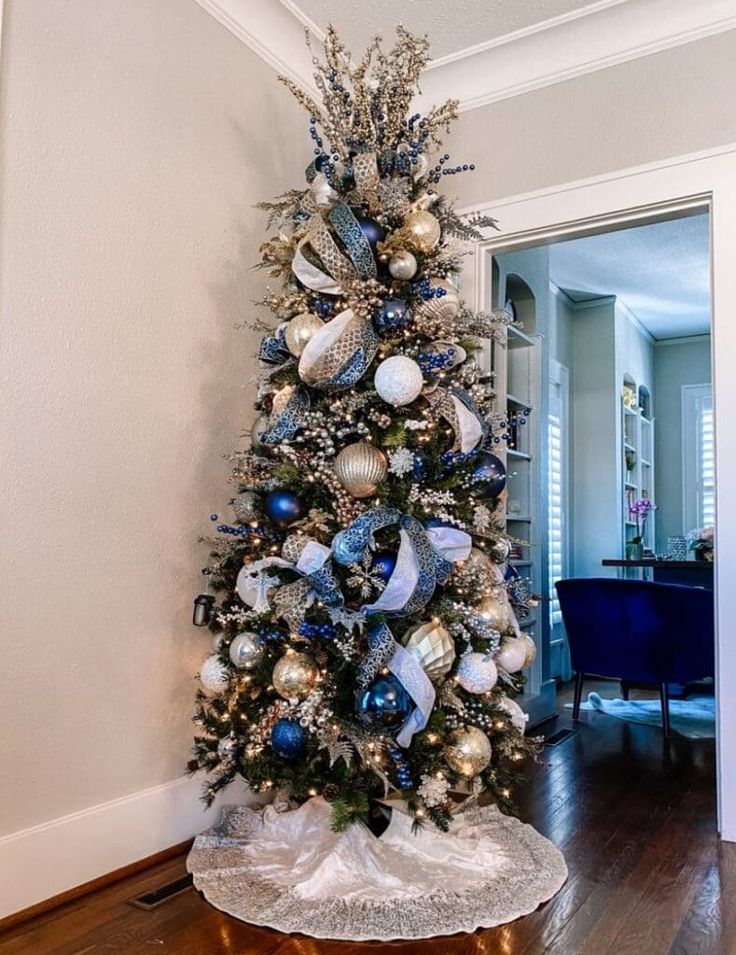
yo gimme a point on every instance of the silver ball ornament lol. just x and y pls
(227, 748)
(468, 751)
(499, 550)
(477, 673)
(260, 426)
(299, 331)
(433, 647)
(399, 380)
(213, 675)
(360, 468)
(423, 230)
(245, 651)
(246, 507)
(402, 265)
(295, 676)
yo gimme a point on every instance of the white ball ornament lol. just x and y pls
(477, 673)
(512, 655)
(213, 675)
(399, 380)
(518, 716)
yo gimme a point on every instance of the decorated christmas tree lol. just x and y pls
(365, 632)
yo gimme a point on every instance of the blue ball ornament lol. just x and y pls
(511, 573)
(393, 316)
(288, 739)
(372, 230)
(421, 465)
(284, 507)
(383, 564)
(489, 475)
(385, 704)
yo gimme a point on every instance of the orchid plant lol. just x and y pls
(640, 511)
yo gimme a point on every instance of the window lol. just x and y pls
(698, 457)
(554, 530)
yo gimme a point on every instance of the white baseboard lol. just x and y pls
(48, 859)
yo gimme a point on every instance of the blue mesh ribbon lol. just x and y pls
(358, 248)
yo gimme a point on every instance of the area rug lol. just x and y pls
(694, 717)
(289, 871)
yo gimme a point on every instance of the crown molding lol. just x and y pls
(602, 34)
(598, 36)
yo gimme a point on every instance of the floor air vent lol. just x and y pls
(559, 737)
(152, 900)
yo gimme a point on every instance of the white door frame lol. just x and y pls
(644, 193)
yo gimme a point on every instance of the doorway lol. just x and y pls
(650, 194)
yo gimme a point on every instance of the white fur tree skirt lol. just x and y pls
(290, 872)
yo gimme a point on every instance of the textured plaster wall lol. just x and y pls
(136, 137)
(668, 104)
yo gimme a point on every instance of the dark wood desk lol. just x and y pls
(692, 573)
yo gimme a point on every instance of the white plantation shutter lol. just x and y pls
(706, 463)
(698, 457)
(555, 525)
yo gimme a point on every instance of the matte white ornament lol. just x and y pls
(213, 675)
(512, 655)
(245, 651)
(477, 673)
(518, 716)
(433, 647)
(399, 380)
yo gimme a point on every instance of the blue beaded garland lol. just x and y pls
(288, 739)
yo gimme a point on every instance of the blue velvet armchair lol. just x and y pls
(638, 632)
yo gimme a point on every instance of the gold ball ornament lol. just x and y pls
(531, 649)
(295, 676)
(423, 230)
(360, 468)
(299, 331)
(512, 655)
(432, 645)
(468, 751)
(497, 612)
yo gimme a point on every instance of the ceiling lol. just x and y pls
(661, 272)
(451, 26)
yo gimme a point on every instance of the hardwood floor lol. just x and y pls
(634, 816)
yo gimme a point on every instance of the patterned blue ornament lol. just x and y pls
(284, 507)
(372, 230)
(385, 704)
(393, 316)
(489, 475)
(383, 564)
(288, 739)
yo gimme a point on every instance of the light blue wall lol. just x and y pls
(677, 363)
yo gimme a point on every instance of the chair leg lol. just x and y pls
(664, 696)
(624, 690)
(579, 677)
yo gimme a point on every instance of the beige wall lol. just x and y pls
(668, 104)
(136, 137)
